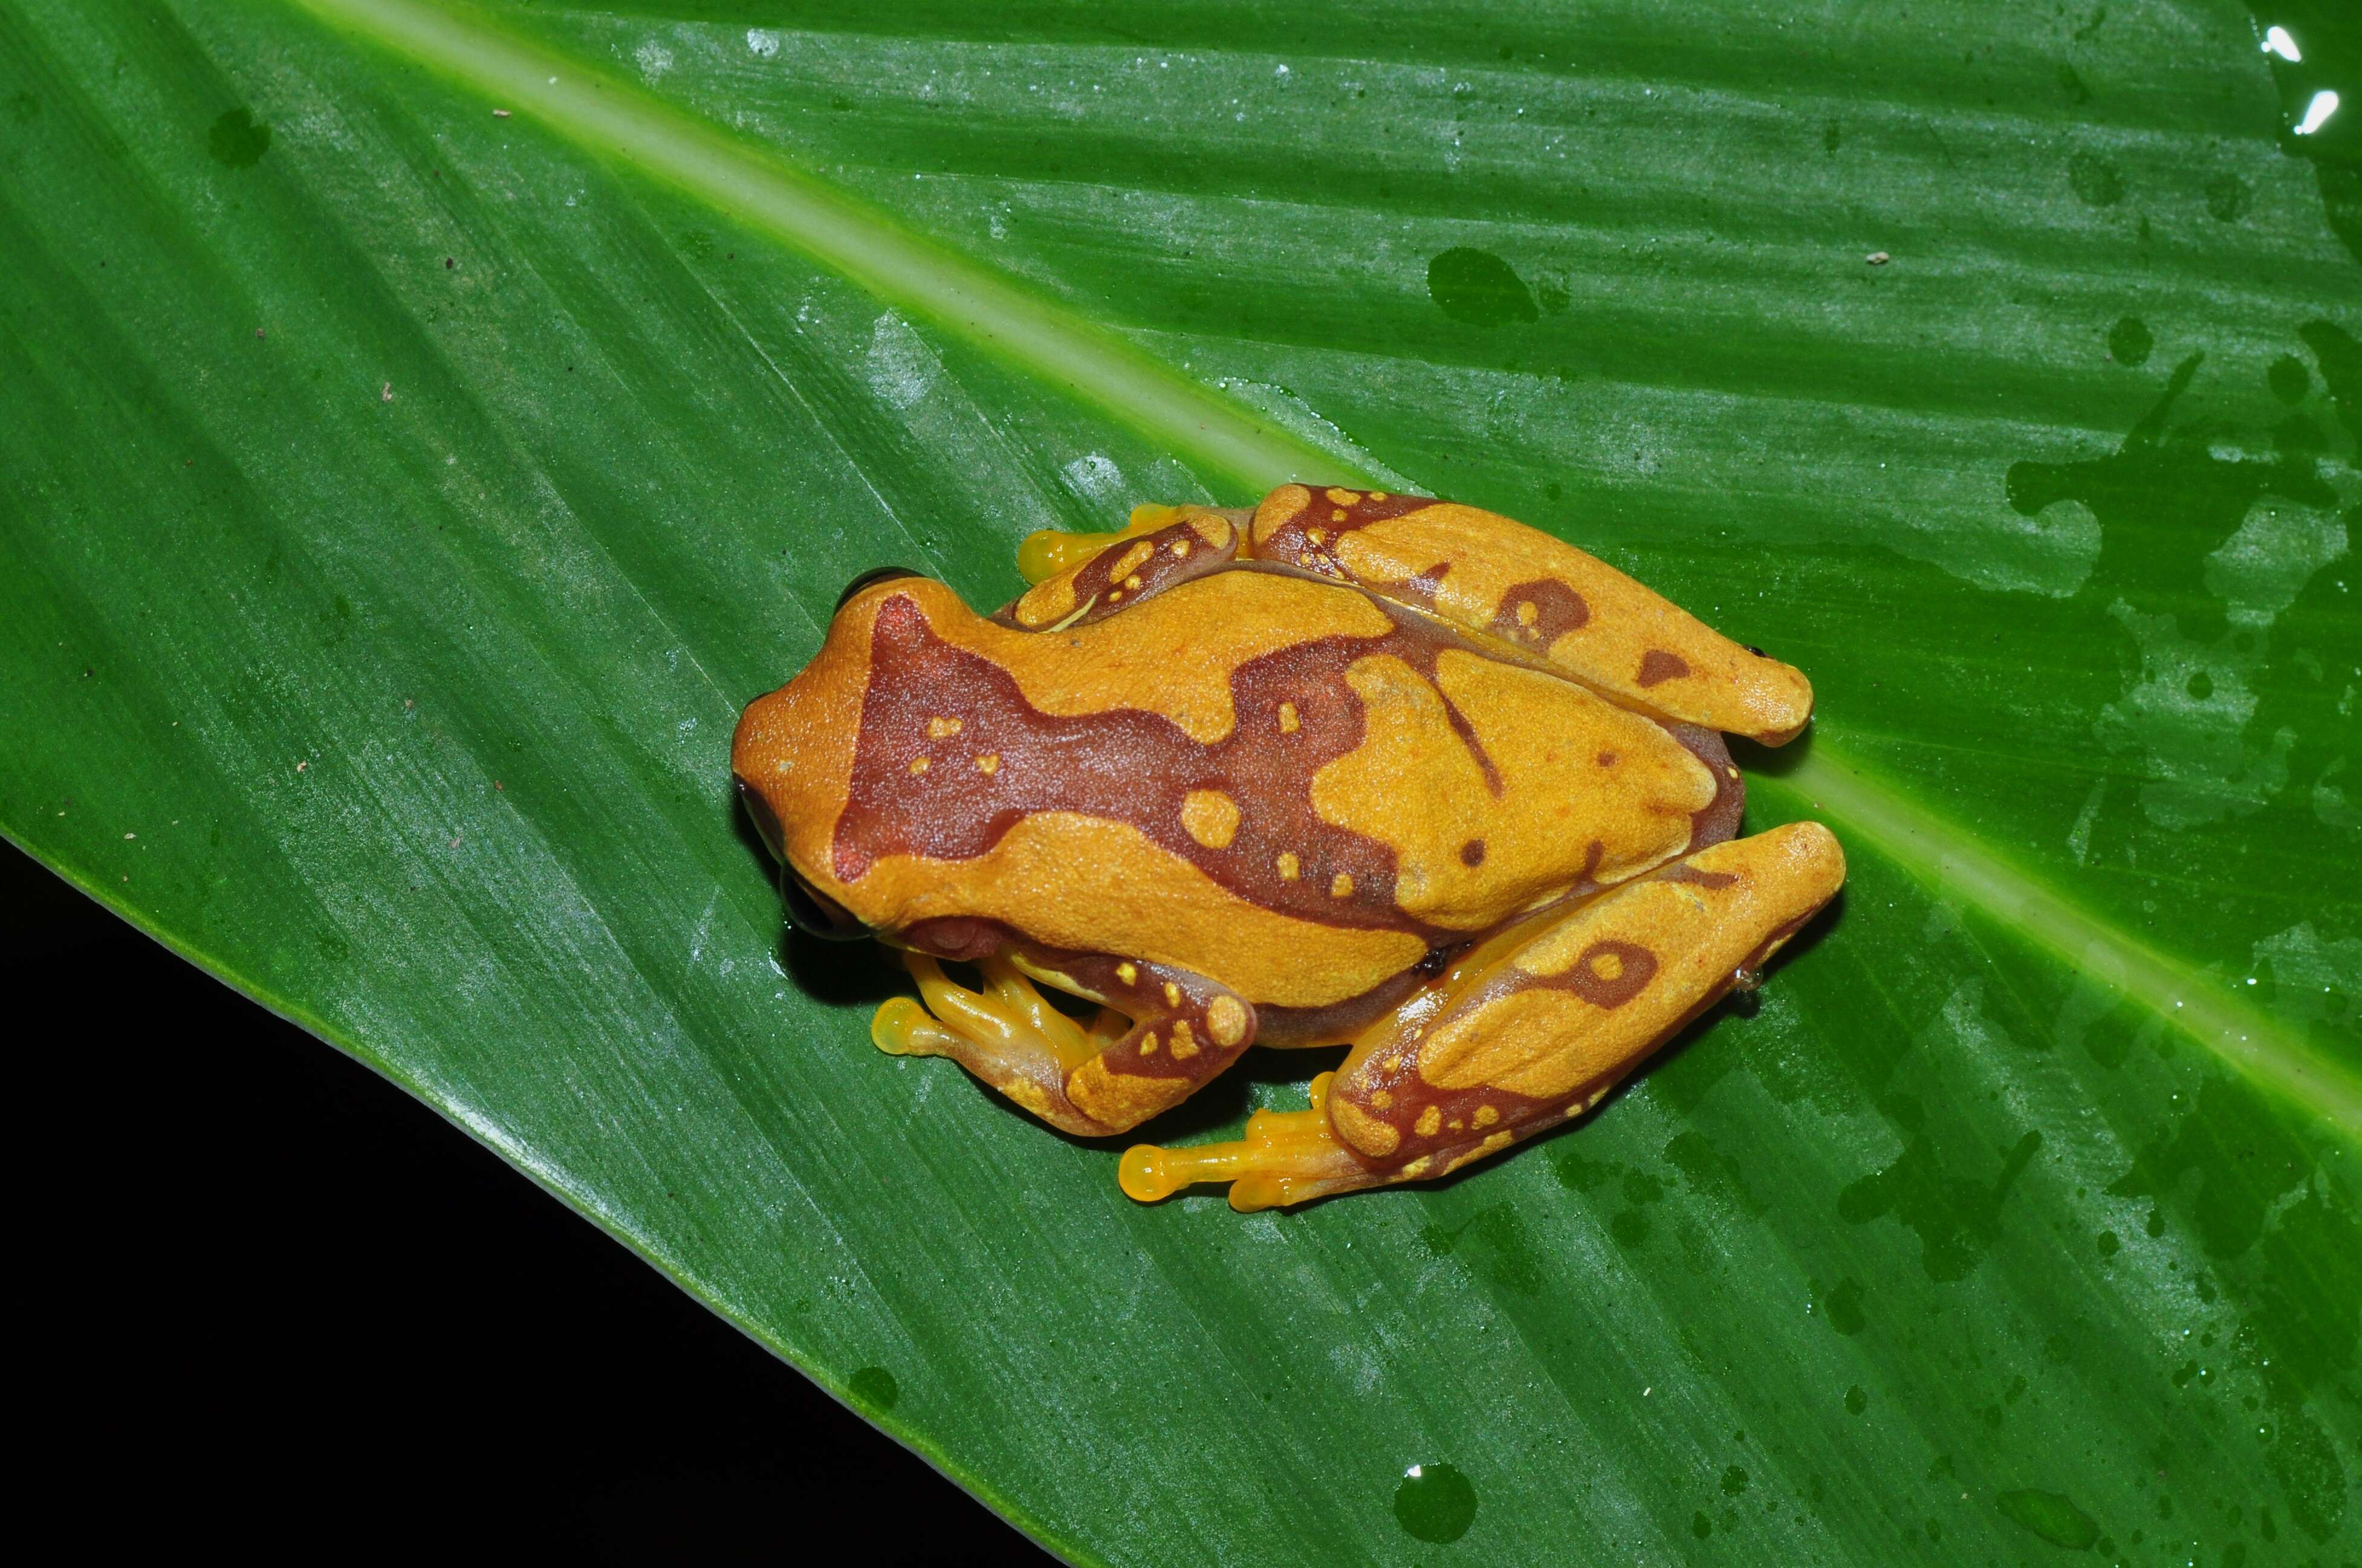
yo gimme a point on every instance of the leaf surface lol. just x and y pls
(402, 498)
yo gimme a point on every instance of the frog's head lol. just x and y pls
(792, 757)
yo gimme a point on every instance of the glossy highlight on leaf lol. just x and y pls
(402, 498)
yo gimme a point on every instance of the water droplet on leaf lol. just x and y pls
(1435, 1503)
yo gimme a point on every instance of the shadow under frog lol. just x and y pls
(2200, 552)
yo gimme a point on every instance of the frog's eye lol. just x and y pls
(766, 821)
(817, 914)
(874, 575)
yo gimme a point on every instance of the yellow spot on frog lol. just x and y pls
(1430, 1122)
(1132, 582)
(1171, 994)
(1341, 497)
(1028, 1095)
(1288, 722)
(1148, 1044)
(942, 728)
(1416, 1168)
(919, 765)
(1391, 1063)
(1487, 1115)
(1383, 1099)
(1046, 601)
(1338, 515)
(1377, 495)
(1211, 817)
(1185, 1039)
(1457, 1125)
(1226, 1021)
(1133, 559)
(1317, 537)
(1607, 967)
(1362, 1129)
(1127, 972)
(988, 763)
(1527, 613)
(1497, 1141)
(1340, 885)
(1180, 549)
(1288, 865)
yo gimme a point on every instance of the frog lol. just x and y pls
(1346, 767)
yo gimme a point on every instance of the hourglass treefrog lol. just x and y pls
(1349, 766)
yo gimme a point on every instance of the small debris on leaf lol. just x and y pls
(385, 393)
(500, 114)
(1878, 258)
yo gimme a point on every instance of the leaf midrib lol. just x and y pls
(1092, 366)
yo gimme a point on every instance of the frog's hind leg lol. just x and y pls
(1503, 580)
(1532, 1027)
(1081, 578)
(1160, 1034)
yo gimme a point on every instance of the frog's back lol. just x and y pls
(1277, 781)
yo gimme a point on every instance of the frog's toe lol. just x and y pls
(902, 1028)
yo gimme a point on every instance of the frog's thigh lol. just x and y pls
(1535, 1038)
(1093, 1080)
(1501, 578)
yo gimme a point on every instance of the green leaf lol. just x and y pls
(401, 501)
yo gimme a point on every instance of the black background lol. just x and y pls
(279, 1304)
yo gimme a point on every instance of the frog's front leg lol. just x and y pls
(1531, 1028)
(1502, 579)
(1081, 578)
(1161, 1033)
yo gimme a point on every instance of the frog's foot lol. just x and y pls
(1504, 581)
(1288, 1156)
(1008, 1035)
(1534, 1027)
(1160, 1034)
(1081, 578)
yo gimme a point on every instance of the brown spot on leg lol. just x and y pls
(1610, 973)
(1473, 853)
(1657, 667)
(1536, 614)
